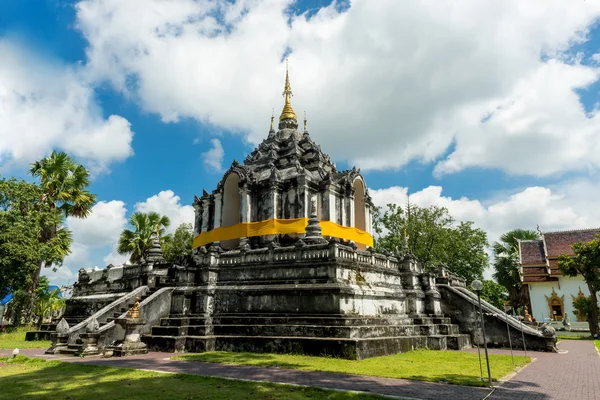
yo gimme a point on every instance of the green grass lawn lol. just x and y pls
(426, 365)
(597, 343)
(36, 379)
(16, 338)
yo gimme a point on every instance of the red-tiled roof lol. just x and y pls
(558, 243)
(532, 252)
(535, 271)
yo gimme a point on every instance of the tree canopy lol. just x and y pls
(585, 262)
(434, 238)
(138, 242)
(506, 264)
(178, 244)
(23, 243)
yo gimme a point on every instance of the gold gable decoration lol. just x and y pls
(581, 317)
(556, 305)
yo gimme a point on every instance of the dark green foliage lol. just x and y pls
(137, 242)
(24, 244)
(178, 244)
(494, 293)
(434, 238)
(583, 305)
(506, 264)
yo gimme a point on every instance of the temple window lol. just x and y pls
(231, 207)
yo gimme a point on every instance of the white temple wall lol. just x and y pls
(564, 287)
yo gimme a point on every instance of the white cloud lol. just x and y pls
(570, 205)
(393, 80)
(213, 158)
(67, 273)
(102, 226)
(100, 229)
(45, 106)
(167, 203)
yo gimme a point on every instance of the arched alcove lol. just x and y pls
(230, 214)
(360, 218)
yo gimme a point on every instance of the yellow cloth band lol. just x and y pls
(281, 227)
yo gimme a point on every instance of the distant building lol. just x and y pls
(552, 294)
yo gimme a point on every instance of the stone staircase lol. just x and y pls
(77, 347)
(354, 336)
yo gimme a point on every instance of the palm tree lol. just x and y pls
(147, 227)
(506, 263)
(64, 188)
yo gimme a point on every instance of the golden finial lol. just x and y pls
(287, 112)
(272, 121)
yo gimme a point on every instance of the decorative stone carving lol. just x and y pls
(548, 331)
(92, 326)
(63, 326)
(155, 254)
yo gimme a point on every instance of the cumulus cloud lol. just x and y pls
(570, 205)
(169, 204)
(45, 106)
(213, 158)
(100, 228)
(415, 78)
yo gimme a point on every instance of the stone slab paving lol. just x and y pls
(573, 374)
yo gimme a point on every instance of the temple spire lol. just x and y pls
(305, 129)
(287, 112)
(272, 130)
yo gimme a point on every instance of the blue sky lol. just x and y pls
(489, 111)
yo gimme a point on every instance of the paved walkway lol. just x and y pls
(573, 374)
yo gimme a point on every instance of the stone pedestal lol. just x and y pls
(60, 341)
(90, 344)
(131, 344)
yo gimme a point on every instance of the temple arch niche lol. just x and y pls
(231, 214)
(360, 217)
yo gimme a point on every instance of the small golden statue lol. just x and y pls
(526, 316)
(134, 312)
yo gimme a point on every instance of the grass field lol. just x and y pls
(35, 379)
(16, 338)
(426, 365)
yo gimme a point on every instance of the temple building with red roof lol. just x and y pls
(552, 294)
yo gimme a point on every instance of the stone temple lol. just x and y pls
(283, 261)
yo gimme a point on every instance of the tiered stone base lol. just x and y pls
(331, 335)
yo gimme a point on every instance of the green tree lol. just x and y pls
(506, 264)
(23, 224)
(585, 262)
(137, 242)
(64, 187)
(433, 237)
(179, 244)
(583, 305)
(48, 300)
(494, 293)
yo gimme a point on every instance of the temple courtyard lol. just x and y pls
(573, 372)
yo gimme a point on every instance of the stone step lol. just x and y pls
(458, 341)
(369, 331)
(326, 320)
